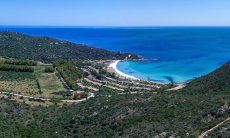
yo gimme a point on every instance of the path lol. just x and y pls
(88, 87)
(91, 95)
(100, 84)
(114, 85)
(205, 134)
(29, 97)
(135, 93)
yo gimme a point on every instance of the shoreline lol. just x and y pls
(113, 65)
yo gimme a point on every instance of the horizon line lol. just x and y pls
(111, 26)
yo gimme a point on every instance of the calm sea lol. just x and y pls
(175, 54)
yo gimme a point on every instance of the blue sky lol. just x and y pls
(115, 12)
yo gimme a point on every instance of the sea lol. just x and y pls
(171, 54)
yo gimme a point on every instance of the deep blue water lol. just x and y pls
(183, 53)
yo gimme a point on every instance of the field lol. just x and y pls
(24, 87)
(36, 84)
(50, 83)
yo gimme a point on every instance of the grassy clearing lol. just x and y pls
(50, 83)
(39, 69)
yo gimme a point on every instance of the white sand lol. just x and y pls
(113, 65)
(178, 87)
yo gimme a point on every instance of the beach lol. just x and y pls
(113, 66)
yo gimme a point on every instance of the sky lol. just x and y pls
(115, 12)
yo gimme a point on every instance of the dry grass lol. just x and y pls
(24, 87)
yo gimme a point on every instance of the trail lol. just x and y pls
(91, 95)
(205, 134)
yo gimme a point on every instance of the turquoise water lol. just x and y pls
(182, 53)
(166, 72)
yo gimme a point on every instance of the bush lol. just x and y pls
(80, 96)
(49, 70)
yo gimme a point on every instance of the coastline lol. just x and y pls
(113, 66)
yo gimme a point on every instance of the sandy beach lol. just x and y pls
(113, 65)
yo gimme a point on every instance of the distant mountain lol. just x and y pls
(18, 45)
(218, 80)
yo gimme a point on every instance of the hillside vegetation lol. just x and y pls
(184, 113)
(17, 45)
(218, 80)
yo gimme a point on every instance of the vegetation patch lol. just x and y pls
(20, 62)
(49, 69)
(16, 68)
(11, 76)
(70, 73)
(49, 84)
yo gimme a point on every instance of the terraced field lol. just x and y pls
(36, 84)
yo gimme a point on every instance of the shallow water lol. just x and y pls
(180, 53)
(180, 71)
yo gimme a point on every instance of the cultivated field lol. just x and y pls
(50, 84)
(35, 84)
(23, 87)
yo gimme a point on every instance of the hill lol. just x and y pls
(185, 113)
(18, 45)
(218, 80)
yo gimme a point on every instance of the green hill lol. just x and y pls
(185, 113)
(18, 45)
(218, 80)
